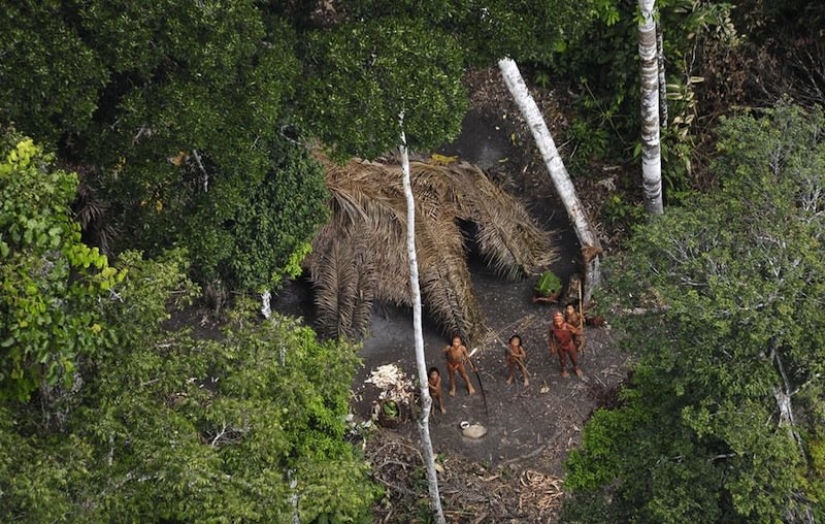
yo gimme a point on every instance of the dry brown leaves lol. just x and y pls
(540, 491)
(470, 492)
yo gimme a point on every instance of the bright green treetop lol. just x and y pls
(50, 281)
(135, 420)
(163, 426)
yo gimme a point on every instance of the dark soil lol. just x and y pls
(531, 429)
(514, 473)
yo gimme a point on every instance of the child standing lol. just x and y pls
(456, 354)
(575, 319)
(515, 359)
(434, 385)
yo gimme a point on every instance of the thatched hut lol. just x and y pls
(360, 257)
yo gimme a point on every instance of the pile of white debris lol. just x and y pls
(393, 383)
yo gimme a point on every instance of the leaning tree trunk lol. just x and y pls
(651, 150)
(420, 360)
(558, 173)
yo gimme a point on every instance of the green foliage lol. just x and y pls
(157, 425)
(606, 67)
(273, 221)
(525, 30)
(50, 280)
(391, 57)
(547, 284)
(171, 427)
(48, 71)
(364, 75)
(605, 60)
(589, 144)
(146, 81)
(734, 283)
(175, 112)
(618, 211)
(246, 231)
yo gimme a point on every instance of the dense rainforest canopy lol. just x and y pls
(724, 412)
(151, 150)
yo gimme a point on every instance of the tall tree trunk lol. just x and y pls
(420, 360)
(558, 173)
(651, 150)
(660, 58)
(292, 478)
(783, 395)
(266, 307)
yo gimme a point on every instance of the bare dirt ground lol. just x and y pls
(515, 472)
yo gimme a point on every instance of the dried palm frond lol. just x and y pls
(445, 281)
(507, 236)
(361, 255)
(346, 270)
(90, 211)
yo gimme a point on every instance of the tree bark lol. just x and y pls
(660, 59)
(420, 360)
(293, 497)
(558, 174)
(651, 148)
(266, 307)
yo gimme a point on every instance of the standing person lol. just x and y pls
(515, 359)
(456, 354)
(561, 342)
(434, 385)
(575, 319)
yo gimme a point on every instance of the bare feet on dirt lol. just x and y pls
(514, 474)
(579, 373)
(564, 373)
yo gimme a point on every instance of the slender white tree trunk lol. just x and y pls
(420, 360)
(558, 173)
(651, 150)
(293, 497)
(660, 58)
(266, 300)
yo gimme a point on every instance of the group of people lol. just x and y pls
(565, 339)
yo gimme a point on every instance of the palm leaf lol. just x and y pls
(506, 234)
(361, 255)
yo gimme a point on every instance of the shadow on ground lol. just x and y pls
(540, 420)
(530, 429)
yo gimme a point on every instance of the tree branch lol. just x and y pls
(783, 401)
(203, 170)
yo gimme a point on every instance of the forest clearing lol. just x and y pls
(361, 261)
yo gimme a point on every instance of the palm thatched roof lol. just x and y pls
(360, 256)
